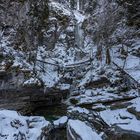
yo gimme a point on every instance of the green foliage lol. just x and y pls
(22, 1)
(73, 101)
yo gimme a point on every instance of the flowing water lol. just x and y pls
(58, 134)
(79, 33)
(51, 113)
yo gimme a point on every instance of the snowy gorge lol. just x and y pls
(69, 70)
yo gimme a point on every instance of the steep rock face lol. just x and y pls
(40, 30)
(23, 20)
(21, 32)
(27, 27)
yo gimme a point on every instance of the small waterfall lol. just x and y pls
(78, 5)
(79, 33)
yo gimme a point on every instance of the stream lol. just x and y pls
(51, 113)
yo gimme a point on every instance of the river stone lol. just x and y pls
(61, 122)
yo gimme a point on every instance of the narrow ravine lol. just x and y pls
(69, 70)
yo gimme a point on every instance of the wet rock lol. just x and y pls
(100, 82)
(57, 134)
(134, 111)
(121, 134)
(98, 107)
(26, 100)
(119, 105)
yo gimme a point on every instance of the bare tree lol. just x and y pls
(106, 18)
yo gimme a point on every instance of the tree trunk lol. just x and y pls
(108, 57)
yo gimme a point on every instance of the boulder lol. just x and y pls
(61, 122)
(78, 130)
(14, 126)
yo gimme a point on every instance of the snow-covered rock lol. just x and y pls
(59, 8)
(79, 110)
(122, 119)
(14, 126)
(60, 122)
(78, 130)
(32, 82)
